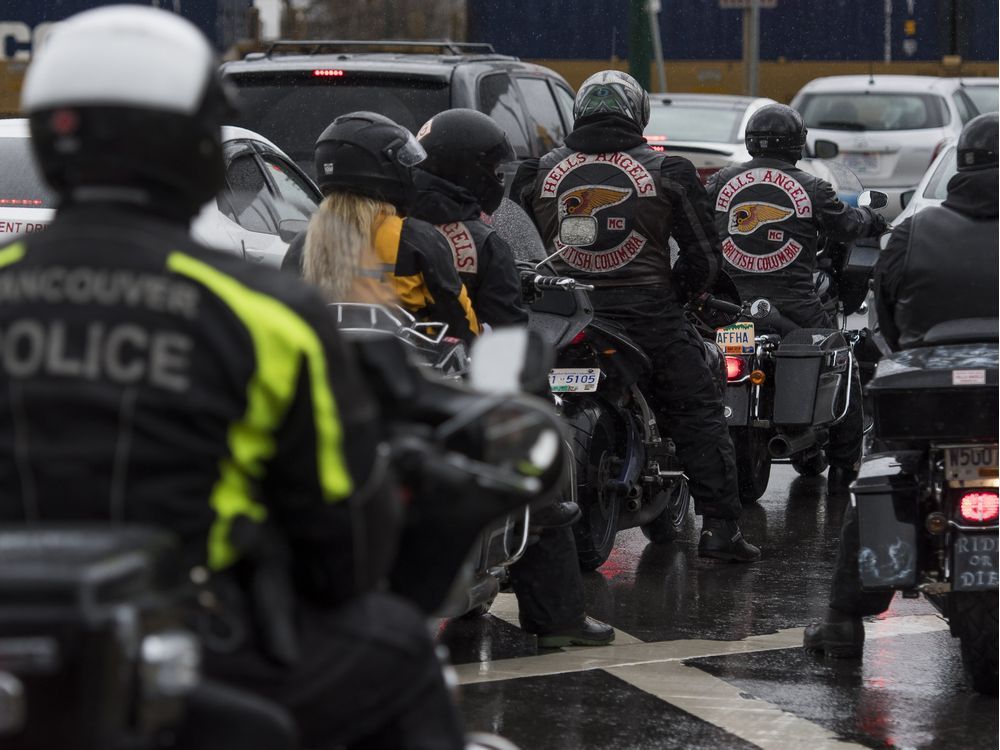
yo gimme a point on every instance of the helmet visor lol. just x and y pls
(408, 153)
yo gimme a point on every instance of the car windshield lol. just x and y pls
(293, 109)
(986, 98)
(21, 185)
(872, 111)
(681, 121)
(937, 186)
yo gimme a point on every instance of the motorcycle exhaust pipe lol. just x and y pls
(783, 446)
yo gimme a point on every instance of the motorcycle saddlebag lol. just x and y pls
(937, 393)
(811, 367)
(886, 496)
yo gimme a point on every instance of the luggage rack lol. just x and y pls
(406, 46)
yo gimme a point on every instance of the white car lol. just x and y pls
(267, 199)
(889, 128)
(707, 129)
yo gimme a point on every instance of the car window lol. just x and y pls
(565, 99)
(294, 198)
(21, 184)
(984, 98)
(964, 107)
(292, 109)
(679, 121)
(246, 196)
(498, 100)
(873, 111)
(937, 186)
(542, 108)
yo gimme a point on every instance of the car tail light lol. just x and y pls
(328, 73)
(705, 172)
(937, 150)
(979, 506)
(652, 138)
(657, 148)
(21, 202)
(736, 368)
(578, 339)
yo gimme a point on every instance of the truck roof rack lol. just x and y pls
(409, 46)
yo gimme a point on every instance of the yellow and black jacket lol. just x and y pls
(144, 378)
(411, 266)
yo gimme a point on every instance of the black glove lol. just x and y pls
(879, 224)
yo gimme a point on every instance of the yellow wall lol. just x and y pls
(778, 80)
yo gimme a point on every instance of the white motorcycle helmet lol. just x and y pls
(125, 102)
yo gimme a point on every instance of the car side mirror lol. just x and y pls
(873, 199)
(825, 149)
(578, 231)
(289, 229)
(906, 197)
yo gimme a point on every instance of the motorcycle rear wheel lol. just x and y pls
(753, 462)
(668, 525)
(974, 619)
(593, 439)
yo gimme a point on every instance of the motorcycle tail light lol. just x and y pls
(735, 368)
(979, 506)
(578, 339)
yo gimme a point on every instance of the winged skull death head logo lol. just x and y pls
(589, 199)
(746, 217)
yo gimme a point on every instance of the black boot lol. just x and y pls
(586, 632)
(840, 635)
(555, 516)
(722, 539)
(838, 481)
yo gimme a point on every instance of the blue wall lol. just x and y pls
(700, 30)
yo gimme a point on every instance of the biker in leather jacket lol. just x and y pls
(631, 199)
(941, 263)
(148, 379)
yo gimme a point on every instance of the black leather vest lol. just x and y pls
(621, 193)
(950, 272)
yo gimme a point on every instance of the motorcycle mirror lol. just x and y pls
(825, 149)
(289, 229)
(873, 199)
(509, 360)
(578, 231)
(906, 197)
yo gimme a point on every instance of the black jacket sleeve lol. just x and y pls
(693, 227)
(840, 221)
(521, 185)
(498, 297)
(889, 270)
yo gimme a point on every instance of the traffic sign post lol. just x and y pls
(751, 38)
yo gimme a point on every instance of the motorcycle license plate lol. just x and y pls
(976, 563)
(971, 463)
(736, 339)
(572, 380)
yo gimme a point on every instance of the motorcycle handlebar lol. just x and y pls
(565, 283)
(721, 305)
(460, 473)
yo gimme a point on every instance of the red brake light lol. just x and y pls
(21, 202)
(979, 506)
(328, 73)
(578, 339)
(658, 148)
(736, 368)
(705, 172)
(651, 138)
(937, 150)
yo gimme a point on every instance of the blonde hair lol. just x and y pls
(340, 233)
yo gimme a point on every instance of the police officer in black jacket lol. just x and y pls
(769, 214)
(147, 379)
(458, 185)
(606, 179)
(941, 264)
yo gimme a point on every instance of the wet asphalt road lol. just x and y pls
(682, 675)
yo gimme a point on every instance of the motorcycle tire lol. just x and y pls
(810, 463)
(753, 462)
(668, 525)
(974, 619)
(593, 433)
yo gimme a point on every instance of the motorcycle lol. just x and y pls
(927, 496)
(99, 623)
(625, 473)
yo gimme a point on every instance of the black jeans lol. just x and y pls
(547, 583)
(368, 678)
(845, 591)
(682, 391)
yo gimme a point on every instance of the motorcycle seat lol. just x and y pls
(963, 331)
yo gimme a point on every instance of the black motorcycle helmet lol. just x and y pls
(978, 143)
(466, 148)
(776, 130)
(125, 103)
(612, 92)
(368, 154)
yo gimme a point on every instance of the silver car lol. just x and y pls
(890, 128)
(267, 199)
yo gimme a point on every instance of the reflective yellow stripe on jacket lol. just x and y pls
(282, 342)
